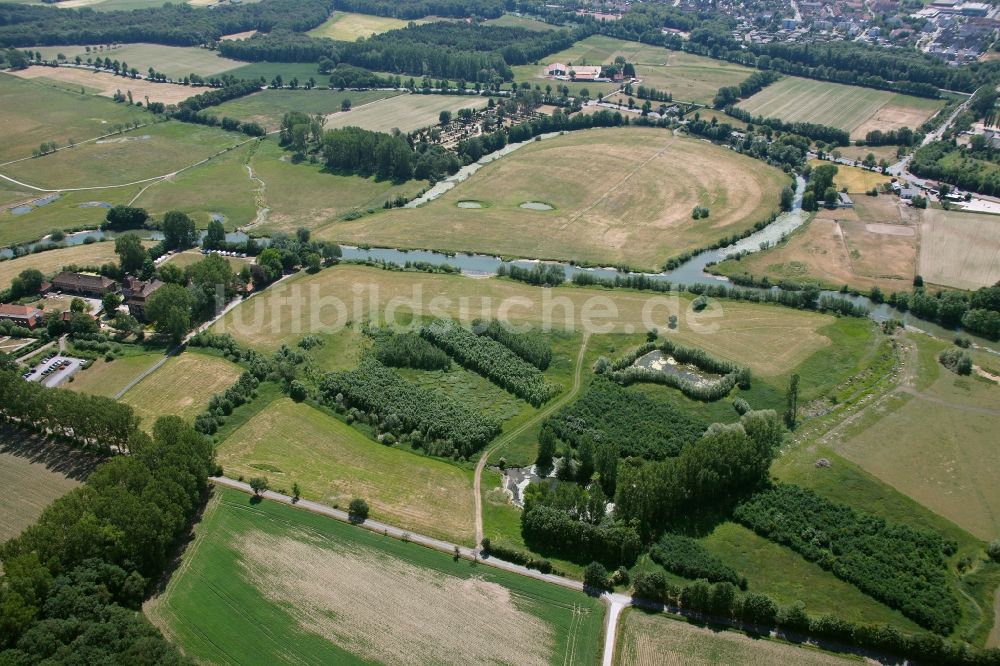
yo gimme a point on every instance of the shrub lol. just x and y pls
(688, 558)
(532, 346)
(993, 550)
(357, 511)
(595, 576)
(957, 360)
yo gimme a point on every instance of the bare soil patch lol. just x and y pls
(890, 229)
(108, 84)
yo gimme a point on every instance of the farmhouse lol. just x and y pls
(22, 315)
(136, 293)
(585, 73)
(84, 284)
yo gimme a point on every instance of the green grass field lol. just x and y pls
(646, 639)
(181, 387)
(513, 21)
(851, 108)
(174, 61)
(619, 196)
(348, 26)
(358, 598)
(405, 112)
(268, 106)
(146, 152)
(268, 70)
(33, 113)
(188, 257)
(72, 210)
(333, 462)
(107, 379)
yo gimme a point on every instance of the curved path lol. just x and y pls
(509, 437)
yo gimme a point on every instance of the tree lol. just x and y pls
(809, 201)
(357, 511)
(270, 262)
(787, 198)
(792, 402)
(994, 550)
(595, 576)
(258, 485)
(27, 283)
(132, 256)
(110, 302)
(120, 218)
(178, 231)
(297, 391)
(586, 467)
(296, 492)
(169, 308)
(77, 305)
(546, 449)
(172, 273)
(215, 237)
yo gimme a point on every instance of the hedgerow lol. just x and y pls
(903, 567)
(492, 360)
(531, 346)
(688, 558)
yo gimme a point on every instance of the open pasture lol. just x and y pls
(268, 106)
(348, 26)
(404, 112)
(70, 210)
(358, 598)
(646, 639)
(107, 379)
(52, 261)
(181, 387)
(333, 462)
(619, 196)
(753, 334)
(174, 61)
(854, 109)
(107, 84)
(121, 159)
(33, 112)
(960, 249)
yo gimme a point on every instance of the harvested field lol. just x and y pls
(348, 26)
(268, 106)
(648, 640)
(859, 153)
(960, 249)
(107, 84)
(181, 387)
(752, 334)
(333, 463)
(52, 261)
(404, 112)
(34, 471)
(174, 61)
(107, 379)
(358, 598)
(851, 108)
(621, 196)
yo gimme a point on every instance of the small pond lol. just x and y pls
(469, 204)
(536, 205)
(657, 360)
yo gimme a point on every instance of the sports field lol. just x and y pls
(332, 462)
(181, 387)
(656, 640)
(851, 108)
(33, 113)
(107, 379)
(51, 261)
(960, 249)
(404, 112)
(348, 26)
(174, 61)
(267, 582)
(118, 160)
(619, 196)
(268, 106)
(107, 84)
(754, 334)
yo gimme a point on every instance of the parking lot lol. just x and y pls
(55, 371)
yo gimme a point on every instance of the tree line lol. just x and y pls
(967, 169)
(753, 84)
(531, 346)
(977, 313)
(415, 9)
(815, 131)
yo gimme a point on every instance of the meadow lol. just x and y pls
(348, 26)
(70, 210)
(107, 379)
(359, 598)
(51, 261)
(333, 462)
(617, 196)
(514, 21)
(646, 639)
(268, 106)
(181, 387)
(174, 61)
(404, 112)
(189, 257)
(960, 249)
(854, 109)
(855, 179)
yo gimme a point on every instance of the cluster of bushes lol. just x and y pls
(629, 281)
(532, 346)
(957, 360)
(903, 567)
(409, 350)
(258, 364)
(74, 581)
(541, 274)
(222, 404)
(438, 423)
(91, 420)
(688, 558)
(548, 530)
(698, 212)
(491, 549)
(814, 131)
(492, 360)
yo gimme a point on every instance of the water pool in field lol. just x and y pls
(469, 204)
(536, 205)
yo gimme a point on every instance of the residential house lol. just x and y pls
(135, 294)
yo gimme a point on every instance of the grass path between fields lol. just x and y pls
(513, 434)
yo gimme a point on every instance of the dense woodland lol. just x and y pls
(531, 346)
(415, 9)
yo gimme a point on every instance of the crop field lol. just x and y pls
(118, 160)
(855, 179)
(181, 387)
(960, 249)
(34, 471)
(618, 196)
(107, 379)
(752, 334)
(106, 84)
(51, 261)
(268, 70)
(268, 106)
(348, 26)
(33, 113)
(174, 61)
(404, 112)
(358, 598)
(646, 640)
(938, 447)
(333, 462)
(854, 109)
(304, 195)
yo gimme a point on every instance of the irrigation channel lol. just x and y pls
(692, 272)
